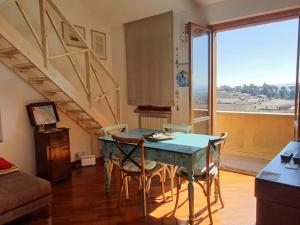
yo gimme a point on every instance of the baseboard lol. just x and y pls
(235, 170)
(76, 164)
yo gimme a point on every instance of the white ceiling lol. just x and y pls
(115, 12)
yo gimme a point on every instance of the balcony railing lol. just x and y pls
(260, 135)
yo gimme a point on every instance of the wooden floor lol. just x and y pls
(84, 201)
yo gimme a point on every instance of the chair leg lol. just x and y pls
(111, 166)
(210, 185)
(202, 187)
(140, 183)
(208, 201)
(179, 182)
(143, 177)
(148, 184)
(162, 186)
(217, 182)
(164, 173)
(126, 187)
(121, 188)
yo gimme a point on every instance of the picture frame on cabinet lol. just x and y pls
(42, 113)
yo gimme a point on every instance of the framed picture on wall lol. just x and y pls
(1, 135)
(70, 37)
(99, 43)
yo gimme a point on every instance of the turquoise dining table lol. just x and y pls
(184, 150)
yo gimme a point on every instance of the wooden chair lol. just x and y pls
(114, 157)
(177, 127)
(133, 164)
(204, 176)
(170, 169)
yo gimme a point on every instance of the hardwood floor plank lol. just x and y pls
(83, 201)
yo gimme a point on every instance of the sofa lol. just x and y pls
(21, 193)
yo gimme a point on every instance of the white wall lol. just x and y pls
(209, 14)
(18, 137)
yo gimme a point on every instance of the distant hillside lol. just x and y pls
(282, 91)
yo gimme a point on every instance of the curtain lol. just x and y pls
(149, 52)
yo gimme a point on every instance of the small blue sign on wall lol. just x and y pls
(182, 79)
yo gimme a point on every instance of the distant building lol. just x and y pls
(276, 104)
(228, 101)
(244, 96)
(243, 102)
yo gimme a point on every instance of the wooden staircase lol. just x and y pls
(34, 66)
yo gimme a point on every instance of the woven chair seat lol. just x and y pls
(150, 166)
(198, 174)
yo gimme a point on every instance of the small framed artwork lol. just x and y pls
(99, 43)
(182, 79)
(1, 135)
(70, 37)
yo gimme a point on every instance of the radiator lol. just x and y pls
(153, 122)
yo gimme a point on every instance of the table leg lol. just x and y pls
(126, 188)
(191, 198)
(107, 172)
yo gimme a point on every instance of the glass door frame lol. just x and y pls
(297, 91)
(253, 21)
(208, 118)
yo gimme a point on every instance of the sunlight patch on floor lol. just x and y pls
(238, 196)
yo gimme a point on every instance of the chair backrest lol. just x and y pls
(214, 152)
(126, 154)
(177, 127)
(115, 129)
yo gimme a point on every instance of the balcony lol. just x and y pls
(253, 138)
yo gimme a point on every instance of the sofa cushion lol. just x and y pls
(19, 188)
(10, 170)
(4, 164)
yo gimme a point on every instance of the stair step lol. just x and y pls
(23, 66)
(9, 51)
(64, 102)
(75, 111)
(38, 79)
(86, 119)
(52, 91)
(93, 127)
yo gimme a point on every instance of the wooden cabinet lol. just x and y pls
(53, 154)
(277, 190)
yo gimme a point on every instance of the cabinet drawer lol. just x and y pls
(183, 160)
(160, 156)
(57, 140)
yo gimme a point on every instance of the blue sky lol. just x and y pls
(200, 62)
(258, 54)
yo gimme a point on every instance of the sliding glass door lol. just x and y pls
(200, 79)
(297, 91)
